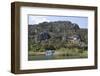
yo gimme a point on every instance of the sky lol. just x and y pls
(36, 19)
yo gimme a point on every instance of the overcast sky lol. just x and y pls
(81, 21)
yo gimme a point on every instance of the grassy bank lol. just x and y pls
(62, 53)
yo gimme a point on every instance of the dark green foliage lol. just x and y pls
(59, 36)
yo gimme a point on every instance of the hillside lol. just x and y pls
(57, 29)
(64, 38)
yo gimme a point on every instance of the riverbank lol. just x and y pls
(62, 54)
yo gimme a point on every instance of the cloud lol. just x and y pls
(37, 19)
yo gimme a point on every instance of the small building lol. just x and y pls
(49, 51)
(74, 38)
